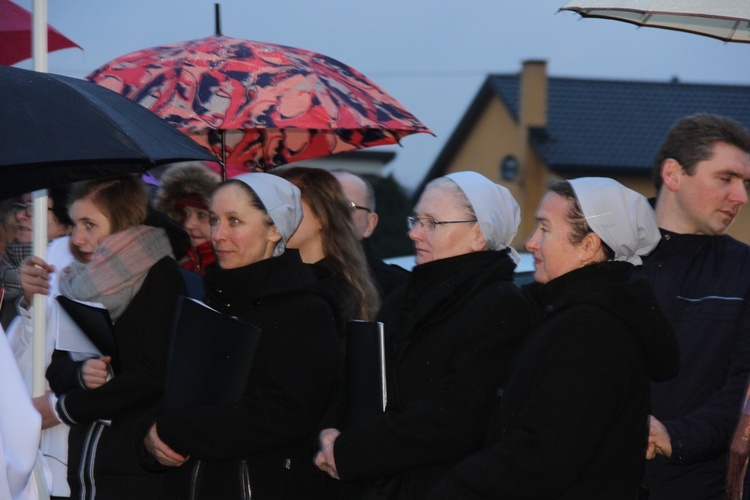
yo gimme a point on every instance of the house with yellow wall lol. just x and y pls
(521, 129)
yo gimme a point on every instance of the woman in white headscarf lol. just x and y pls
(262, 443)
(574, 416)
(452, 332)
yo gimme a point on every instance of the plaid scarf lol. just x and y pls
(118, 268)
(10, 269)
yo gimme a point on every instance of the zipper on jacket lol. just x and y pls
(246, 493)
(195, 480)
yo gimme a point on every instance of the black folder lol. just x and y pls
(193, 284)
(364, 380)
(96, 323)
(210, 357)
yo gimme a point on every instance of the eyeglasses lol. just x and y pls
(430, 224)
(357, 207)
(26, 208)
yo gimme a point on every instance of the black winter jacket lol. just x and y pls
(265, 442)
(388, 277)
(452, 333)
(574, 413)
(703, 286)
(102, 461)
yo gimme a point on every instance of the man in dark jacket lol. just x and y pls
(701, 277)
(358, 191)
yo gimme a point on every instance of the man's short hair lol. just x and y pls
(691, 140)
(370, 190)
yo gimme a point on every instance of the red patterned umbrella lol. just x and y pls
(15, 34)
(259, 105)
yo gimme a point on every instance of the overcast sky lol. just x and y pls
(431, 55)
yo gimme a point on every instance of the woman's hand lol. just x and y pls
(34, 278)
(324, 459)
(95, 371)
(161, 452)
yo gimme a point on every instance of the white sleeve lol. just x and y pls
(20, 427)
(20, 333)
(19, 340)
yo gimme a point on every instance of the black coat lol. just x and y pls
(142, 333)
(387, 277)
(703, 285)
(452, 333)
(574, 414)
(268, 436)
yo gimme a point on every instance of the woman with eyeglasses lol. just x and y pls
(54, 441)
(58, 224)
(452, 333)
(573, 423)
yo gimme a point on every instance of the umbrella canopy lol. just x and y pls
(15, 34)
(259, 105)
(727, 20)
(59, 130)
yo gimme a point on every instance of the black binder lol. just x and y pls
(210, 357)
(96, 323)
(193, 284)
(365, 391)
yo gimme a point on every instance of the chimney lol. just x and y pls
(532, 113)
(533, 105)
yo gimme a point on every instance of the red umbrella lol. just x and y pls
(259, 105)
(15, 35)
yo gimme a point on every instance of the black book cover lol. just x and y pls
(210, 357)
(364, 380)
(193, 283)
(96, 323)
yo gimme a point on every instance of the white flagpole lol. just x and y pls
(39, 51)
(39, 310)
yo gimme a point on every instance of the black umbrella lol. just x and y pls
(57, 130)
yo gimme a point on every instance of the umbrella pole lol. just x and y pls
(39, 35)
(223, 156)
(217, 15)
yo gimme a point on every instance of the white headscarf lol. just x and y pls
(622, 218)
(496, 210)
(283, 202)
